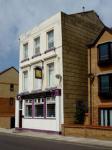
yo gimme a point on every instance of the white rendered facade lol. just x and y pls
(50, 116)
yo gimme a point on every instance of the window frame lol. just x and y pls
(24, 51)
(41, 103)
(48, 74)
(52, 41)
(107, 110)
(109, 52)
(23, 81)
(12, 88)
(50, 102)
(108, 94)
(11, 101)
(28, 104)
(34, 41)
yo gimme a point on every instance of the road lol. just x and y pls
(14, 142)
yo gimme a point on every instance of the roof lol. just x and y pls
(93, 42)
(8, 70)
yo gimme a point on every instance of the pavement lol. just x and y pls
(55, 137)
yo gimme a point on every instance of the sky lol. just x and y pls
(17, 16)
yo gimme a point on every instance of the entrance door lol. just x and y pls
(20, 114)
(20, 118)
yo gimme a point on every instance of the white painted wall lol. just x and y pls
(53, 56)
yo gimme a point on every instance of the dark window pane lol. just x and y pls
(28, 110)
(104, 55)
(50, 110)
(39, 110)
(105, 84)
(11, 87)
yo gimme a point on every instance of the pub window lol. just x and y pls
(105, 116)
(39, 107)
(50, 107)
(105, 85)
(11, 87)
(28, 108)
(105, 54)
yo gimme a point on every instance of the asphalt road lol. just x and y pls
(14, 142)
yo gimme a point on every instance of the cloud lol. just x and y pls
(17, 16)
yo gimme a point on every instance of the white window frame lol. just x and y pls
(23, 81)
(52, 100)
(48, 75)
(50, 41)
(36, 46)
(29, 102)
(25, 55)
(39, 103)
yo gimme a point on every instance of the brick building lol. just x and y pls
(8, 92)
(100, 79)
(53, 77)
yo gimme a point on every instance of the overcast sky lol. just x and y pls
(17, 16)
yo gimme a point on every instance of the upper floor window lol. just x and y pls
(50, 37)
(25, 51)
(25, 80)
(11, 87)
(51, 74)
(105, 86)
(105, 54)
(37, 46)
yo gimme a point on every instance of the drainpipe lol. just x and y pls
(90, 90)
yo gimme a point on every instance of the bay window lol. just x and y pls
(50, 107)
(28, 108)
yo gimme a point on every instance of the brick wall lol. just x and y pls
(5, 108)
(5, 122)
(89, 132)
(77, 31)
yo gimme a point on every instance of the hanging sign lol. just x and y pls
(38, 73)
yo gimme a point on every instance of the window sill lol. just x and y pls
(105, 95)
(104, 63)
(36, 55)
(27, 117)
(51, 88)
(24, 60)
(54, 118)
(49, 50)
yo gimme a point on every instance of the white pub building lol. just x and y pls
(53, 71)
(39, 104)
